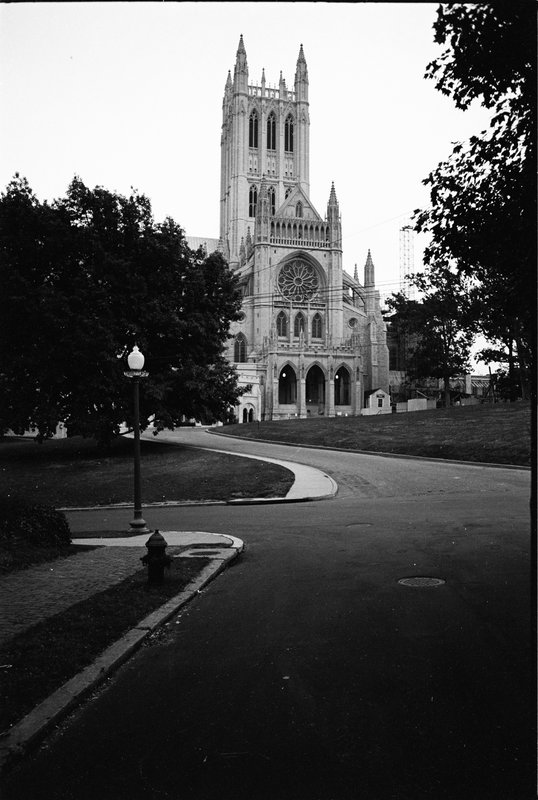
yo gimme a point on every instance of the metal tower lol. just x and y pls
(407, 260)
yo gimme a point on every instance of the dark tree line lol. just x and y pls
(482, 213)
(84, 279)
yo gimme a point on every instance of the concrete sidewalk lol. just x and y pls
(38, 593)
(309, 483)
(35, 594)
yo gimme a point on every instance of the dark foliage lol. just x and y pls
(85, 279)
(22, 523)
(482, 217)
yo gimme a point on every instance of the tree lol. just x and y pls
(438, 329)
(84, 280)
(482, 217)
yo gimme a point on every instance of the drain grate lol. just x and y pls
(421, 581)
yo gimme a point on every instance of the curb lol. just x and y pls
(373, 452)
(33, 727)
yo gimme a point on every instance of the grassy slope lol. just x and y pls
(72, 472)
(498, 434)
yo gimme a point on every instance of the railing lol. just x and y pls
(271, 92)
(297, 242)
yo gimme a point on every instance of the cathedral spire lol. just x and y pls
(228, 87)
(333, 211)
(241, 52)
(332, 197)
(369, 271)
(301, 64)
(301, 78)
(241, 67)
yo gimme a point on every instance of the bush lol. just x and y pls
(38, 525)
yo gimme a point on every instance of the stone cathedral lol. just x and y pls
(312, 340)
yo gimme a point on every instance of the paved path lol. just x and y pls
(33, 595)
(56, 588)
(70, 580)
(308, 668)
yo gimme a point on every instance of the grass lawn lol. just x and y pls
(72, 472)
(37, 662)
(499, 434)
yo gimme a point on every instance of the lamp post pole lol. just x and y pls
(135, 373)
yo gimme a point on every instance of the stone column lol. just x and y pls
(329, 405)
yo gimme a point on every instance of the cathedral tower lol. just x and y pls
(312, 339)
(265, 132)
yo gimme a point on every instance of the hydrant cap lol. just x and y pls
(156, 540)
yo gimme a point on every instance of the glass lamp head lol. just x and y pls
(135, 359)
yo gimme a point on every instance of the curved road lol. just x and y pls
(307, 670)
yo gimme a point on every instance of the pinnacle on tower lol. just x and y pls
(301, 73)
(369, 271)
(241, 47)
(356, 274)
(241, 66)
(332, 197)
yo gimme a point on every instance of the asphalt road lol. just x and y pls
(307, 672)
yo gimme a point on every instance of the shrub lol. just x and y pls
(39, 525)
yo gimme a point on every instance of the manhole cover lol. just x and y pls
(421, 581)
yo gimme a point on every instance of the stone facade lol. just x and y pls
(312, 340)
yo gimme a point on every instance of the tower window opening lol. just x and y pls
(299, 209)
(271, 132)
(282, 324)
(253, 129)
(288, 134)
(272, 200)
(252, 201)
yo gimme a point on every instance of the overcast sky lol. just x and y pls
(130, 94)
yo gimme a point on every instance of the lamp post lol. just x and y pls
(135, 360)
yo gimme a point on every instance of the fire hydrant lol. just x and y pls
(156, 557)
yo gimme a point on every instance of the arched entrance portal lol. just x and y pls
(315, 391)
(341, 387)
(287, 386)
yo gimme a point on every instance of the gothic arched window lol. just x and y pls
(299, 209)
(271, 131)
(272, 200)
(288, 134)
(317, 326)
(252, 201)
(298, 325)
(282, 324)
(240, 348)
(253, 129)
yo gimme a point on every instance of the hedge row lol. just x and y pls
(39, 525)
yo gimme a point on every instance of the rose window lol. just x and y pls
(298, 281)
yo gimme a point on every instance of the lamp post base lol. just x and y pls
(138, 525)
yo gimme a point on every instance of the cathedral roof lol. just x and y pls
(298, 195)
(211, 245)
